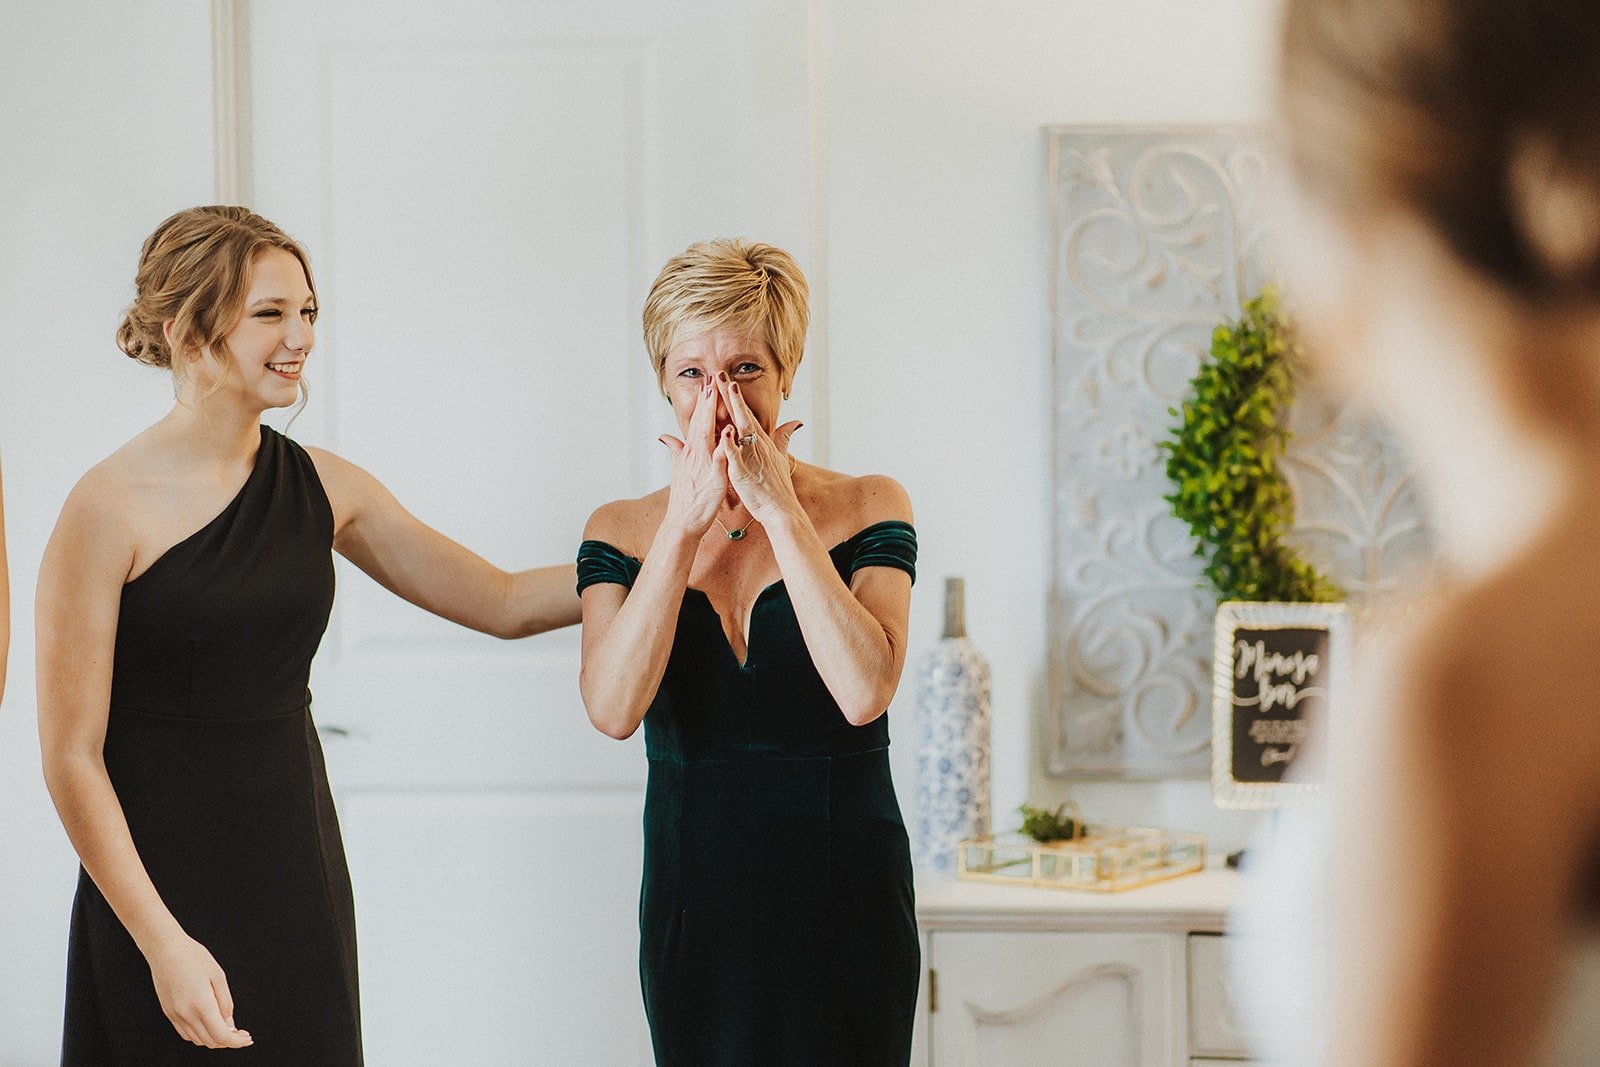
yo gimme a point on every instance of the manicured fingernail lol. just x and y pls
(734, 387)
(722, 376)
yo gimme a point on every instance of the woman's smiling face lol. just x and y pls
(268, 346)
(745, 357)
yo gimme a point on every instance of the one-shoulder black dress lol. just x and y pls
(212, 752)
(776, 919)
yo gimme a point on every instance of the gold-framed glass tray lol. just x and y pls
(1107, 859)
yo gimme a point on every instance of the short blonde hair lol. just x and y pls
(729, 283)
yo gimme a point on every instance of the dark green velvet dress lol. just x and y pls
(776, 919)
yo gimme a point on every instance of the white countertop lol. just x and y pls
(1198, 901)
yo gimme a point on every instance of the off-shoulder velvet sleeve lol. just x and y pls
(891, 543)
(599, 562)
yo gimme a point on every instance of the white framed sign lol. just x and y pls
(1276, 667)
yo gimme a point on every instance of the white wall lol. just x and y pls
(938, 280)
(105, 129)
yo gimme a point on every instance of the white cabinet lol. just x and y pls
(1019, 976)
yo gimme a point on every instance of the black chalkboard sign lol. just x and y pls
(1274, 670)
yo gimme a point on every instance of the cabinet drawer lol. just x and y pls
(1214, 1028)
(1010, 998)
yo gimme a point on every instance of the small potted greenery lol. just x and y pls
(1046, 826)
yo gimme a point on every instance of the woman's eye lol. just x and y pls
(689, 372)
(309, 313)
(748, 368)
(266, 314)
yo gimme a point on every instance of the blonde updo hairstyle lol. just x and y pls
(194, 271)
(1476, 118)
(729, 283)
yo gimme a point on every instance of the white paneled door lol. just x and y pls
(486, 189)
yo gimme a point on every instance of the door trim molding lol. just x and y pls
(230, 105)
(816, 67)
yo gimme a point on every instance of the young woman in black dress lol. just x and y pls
(180, 601)
(752, 615)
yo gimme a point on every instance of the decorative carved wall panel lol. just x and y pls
(1159, 234)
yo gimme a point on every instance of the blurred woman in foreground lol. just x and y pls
(1446, 231)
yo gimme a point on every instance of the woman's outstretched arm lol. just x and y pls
(422, 565)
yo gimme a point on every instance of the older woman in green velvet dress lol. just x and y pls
(752, 615)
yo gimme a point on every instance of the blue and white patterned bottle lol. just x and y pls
(952, 740)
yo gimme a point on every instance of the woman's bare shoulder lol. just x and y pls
(1495, 676)
(628, 525)
(104, 509)
(119, 482)
(854, 501)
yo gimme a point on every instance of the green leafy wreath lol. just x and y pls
(1223, 459)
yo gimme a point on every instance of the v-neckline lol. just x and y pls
(255, 468)
(749, 620)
